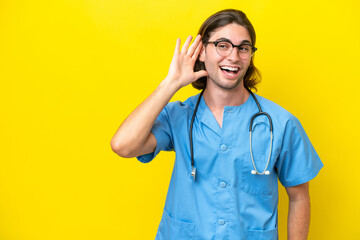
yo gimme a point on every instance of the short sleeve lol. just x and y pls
(298, 161)
(162, 132)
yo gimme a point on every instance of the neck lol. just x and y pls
(217, 98)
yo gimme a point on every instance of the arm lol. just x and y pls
(133, 137)
(299, 212)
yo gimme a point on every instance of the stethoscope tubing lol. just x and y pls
(254, 171)
(193, 169)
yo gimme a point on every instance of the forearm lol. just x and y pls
(298, 219)
(133, 137)
(134, 131)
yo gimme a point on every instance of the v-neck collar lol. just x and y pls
(205, 115)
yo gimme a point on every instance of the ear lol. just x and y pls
(202, 54)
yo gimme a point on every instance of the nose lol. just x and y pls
(234, 55)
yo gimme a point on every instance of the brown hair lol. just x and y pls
(221, 19)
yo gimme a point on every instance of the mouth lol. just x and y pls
(230, 71)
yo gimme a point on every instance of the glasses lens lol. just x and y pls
(245, 49)
(224, 48)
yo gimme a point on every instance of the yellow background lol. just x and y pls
(71, 71)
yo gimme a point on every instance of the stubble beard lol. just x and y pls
(227, 87)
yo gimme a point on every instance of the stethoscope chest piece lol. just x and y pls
(193, 172)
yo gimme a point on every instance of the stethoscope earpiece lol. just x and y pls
(267, 172)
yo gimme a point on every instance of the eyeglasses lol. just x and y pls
(224, 48)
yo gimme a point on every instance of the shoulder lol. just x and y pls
(279, 114)
(177, 109)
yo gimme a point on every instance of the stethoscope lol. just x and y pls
(254, 171)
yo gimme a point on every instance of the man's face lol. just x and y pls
(226, 72)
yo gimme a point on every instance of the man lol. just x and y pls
(224, 181)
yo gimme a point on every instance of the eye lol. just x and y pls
(244, 48)
(223, 45)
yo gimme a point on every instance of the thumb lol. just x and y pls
(200, 74)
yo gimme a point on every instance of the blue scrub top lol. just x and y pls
(226, 201)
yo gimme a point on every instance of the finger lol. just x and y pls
(197, 51)
(194, 45)
(200, 74)
(186, 45)
(177, 47)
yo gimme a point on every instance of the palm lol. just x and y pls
(182, 64)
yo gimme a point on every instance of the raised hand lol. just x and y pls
(182, 65)
(134, 137)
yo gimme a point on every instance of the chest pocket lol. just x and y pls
(255, 183)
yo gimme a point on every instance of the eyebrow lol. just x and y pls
(228, 40)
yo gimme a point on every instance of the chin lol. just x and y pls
(228, 84)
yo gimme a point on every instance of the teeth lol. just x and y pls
(229, 68)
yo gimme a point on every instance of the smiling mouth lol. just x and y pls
(230, 70)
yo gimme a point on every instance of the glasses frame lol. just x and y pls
(233, 46)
